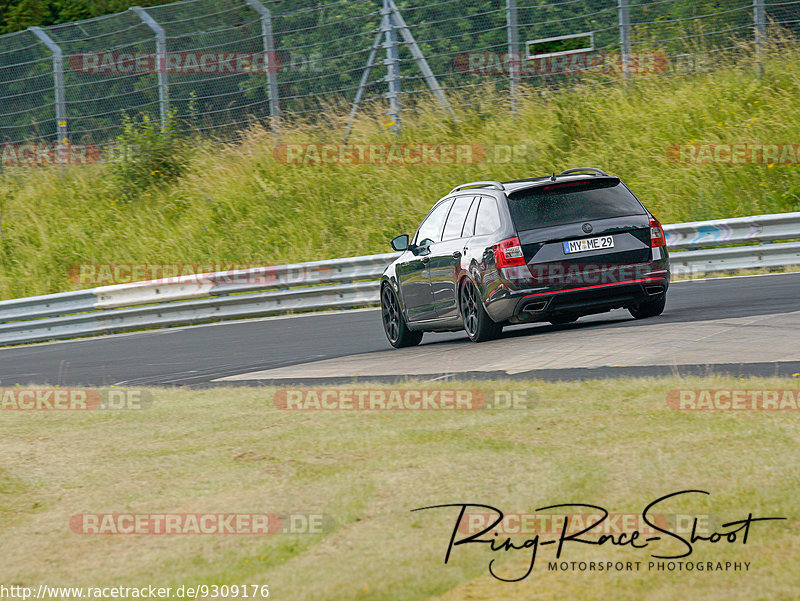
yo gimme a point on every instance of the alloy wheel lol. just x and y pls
(391, 315)
(469, 308)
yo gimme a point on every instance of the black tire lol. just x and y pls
(563, 318)
(649, 308)
(477, 323)
(394, 324)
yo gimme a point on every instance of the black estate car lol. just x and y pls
(549, 248)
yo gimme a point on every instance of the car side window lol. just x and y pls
(469, 223)
(488, 220)
(431, 229)
(455, 220)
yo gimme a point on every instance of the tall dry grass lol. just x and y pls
(239, 203)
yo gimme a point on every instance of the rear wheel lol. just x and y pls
(563, 318)
(394, 324)
(477, 323)
(649, 308)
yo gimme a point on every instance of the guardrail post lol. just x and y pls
(161, 62)
(760, 22)
(58, 90)
(271, 62)
(514, 59)
(625, 36)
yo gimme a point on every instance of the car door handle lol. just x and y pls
(457, 254)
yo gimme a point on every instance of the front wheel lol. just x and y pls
(649, 308)
(394, 324)
(477, 323)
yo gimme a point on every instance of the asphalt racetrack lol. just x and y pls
(747, 325)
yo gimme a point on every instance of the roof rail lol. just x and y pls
(594, 170)
(483, 184)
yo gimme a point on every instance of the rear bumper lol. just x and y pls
(541, 303)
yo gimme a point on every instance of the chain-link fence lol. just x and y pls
(217, 65)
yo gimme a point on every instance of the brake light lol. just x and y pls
(565, 185)
(656, 234)
(508, 253)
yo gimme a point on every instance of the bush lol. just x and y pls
(146, 154)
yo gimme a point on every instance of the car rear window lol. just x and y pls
(571, 202)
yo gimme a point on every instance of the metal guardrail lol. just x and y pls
(740, 230)
(340, 284)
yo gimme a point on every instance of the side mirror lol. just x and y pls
(400, 242)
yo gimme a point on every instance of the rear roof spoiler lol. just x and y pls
(592, 170)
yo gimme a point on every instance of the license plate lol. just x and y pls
(579, 246)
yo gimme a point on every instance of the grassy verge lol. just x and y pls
(611, 443)
(241, 204)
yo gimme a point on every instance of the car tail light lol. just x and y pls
(656, 234)
(508, 253)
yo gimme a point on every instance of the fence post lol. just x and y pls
(419, 58)
(625, 37)
(161, 62)
(514, 59)
(271, 62)
(392, 65)
(760, 22)
(58, 90)
(373, 54)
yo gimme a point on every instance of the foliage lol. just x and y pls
(146, 154)
(240, 203)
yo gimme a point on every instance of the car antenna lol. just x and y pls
(553, 178)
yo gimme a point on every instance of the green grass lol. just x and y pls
(613, 443)
(238, 204)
